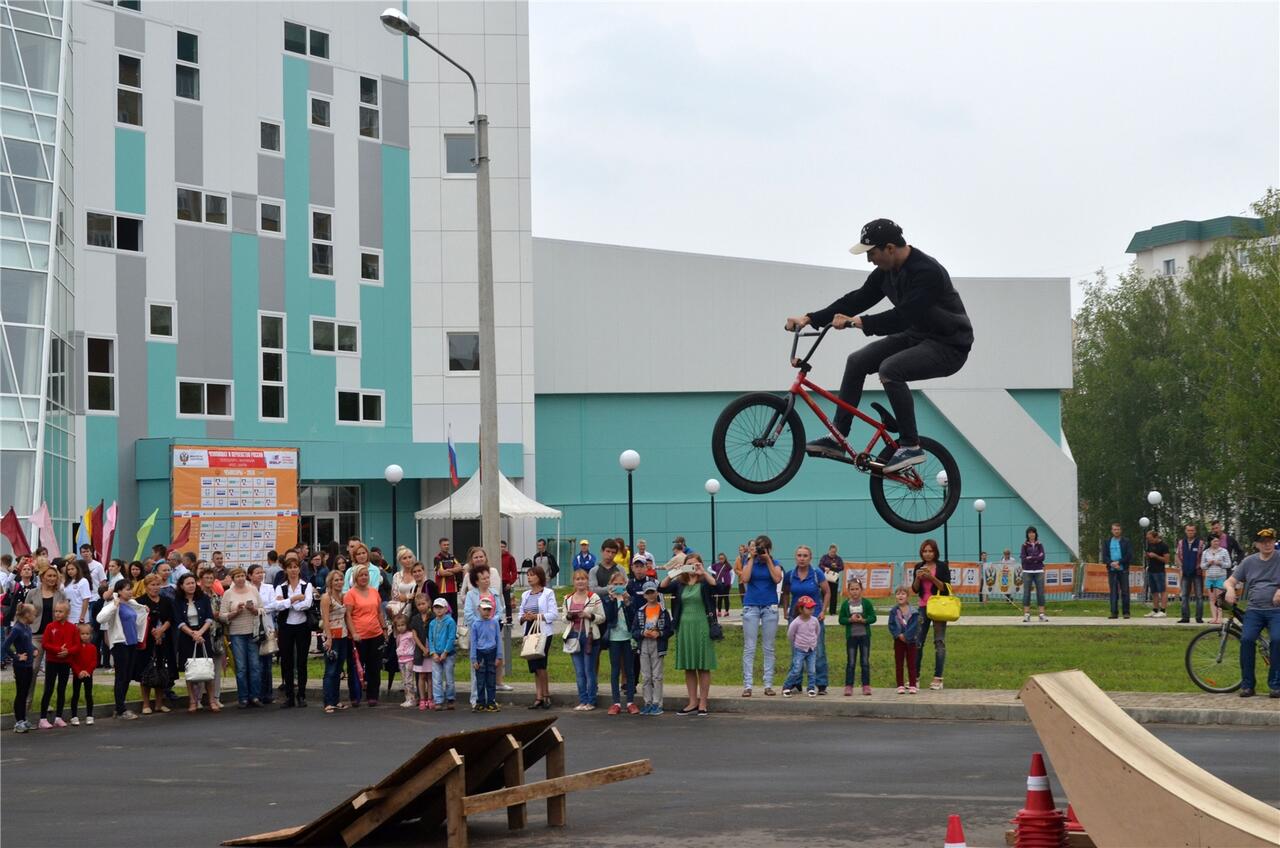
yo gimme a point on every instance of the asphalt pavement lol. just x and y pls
(726, 780)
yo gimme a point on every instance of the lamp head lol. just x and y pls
(980, 505)
(393, 474)
(712, 486)
(398, 23)
(941, 478)
(1154, 498)
(629, 460)
(1144, 522)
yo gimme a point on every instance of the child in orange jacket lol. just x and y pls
(83, 662)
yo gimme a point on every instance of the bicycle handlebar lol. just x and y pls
(796, 335)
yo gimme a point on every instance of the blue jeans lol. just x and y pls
(248, 676)
(1034, 579)
(939, 643)
(758, 624)
(1118, 589)
(486, 676)
(820, 661)
(585, 664)
(442, 679)
(801, 662)
(1254, 621)
(859, 650)
(622, 662)
(333, 673)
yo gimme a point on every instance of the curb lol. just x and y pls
(830, 706)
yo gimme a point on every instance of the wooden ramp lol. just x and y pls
(452, 777)
(1128, 788)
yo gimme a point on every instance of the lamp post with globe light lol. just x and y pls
(980, 506)
(630, 461)
(942, 481)
(393, 474)
(1145, 523)
(398, 23)
(712, 486)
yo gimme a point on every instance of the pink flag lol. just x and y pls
(109, 531)
(41, 520)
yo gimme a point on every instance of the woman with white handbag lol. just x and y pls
(583, 613)
(194, 615)
(538, 613)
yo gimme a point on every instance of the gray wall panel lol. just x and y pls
(203, 278)
(271, 274)
(188, 142)
(270, 176)
(131, 379)
(244, 213)
(321, 78)
(321, 168)
(220, 429)
(370, 194)
(395, 112)
(131, 32)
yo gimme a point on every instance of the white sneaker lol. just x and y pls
(75, 721)
(88, 720)
(1044, 617)
(1152, 614)
(1161, 614)
(1026, 617)
(505, 687)
(408, 704)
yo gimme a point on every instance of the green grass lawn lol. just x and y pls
(1118, 659)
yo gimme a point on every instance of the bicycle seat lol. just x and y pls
(886, 418)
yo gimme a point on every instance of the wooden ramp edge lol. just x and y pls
(1128, 788)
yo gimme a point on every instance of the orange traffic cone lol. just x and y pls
(1073, 823)
(955, 833)
(1039, 824)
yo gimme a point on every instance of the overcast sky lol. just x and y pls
(1006, 138)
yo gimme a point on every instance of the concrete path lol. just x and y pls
(1014, 619)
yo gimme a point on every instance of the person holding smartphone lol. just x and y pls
(241, 606)
(932, 577)
(760, 573)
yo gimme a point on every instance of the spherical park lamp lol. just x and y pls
(630, 461)
(393, 474)
(1155, 499)
(712, 486)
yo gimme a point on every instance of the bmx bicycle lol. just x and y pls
(759, 443)
(1213, 655)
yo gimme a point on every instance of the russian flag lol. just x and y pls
(453, 461)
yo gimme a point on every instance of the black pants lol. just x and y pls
(1118, 589)
(122, 659)
(722, 602)
(23, 680)
(898, 359)
(84, 684)
(55, 674)
(370, 651)
(294, 641)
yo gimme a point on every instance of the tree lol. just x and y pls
(1176, 388)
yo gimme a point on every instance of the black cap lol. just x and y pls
(877, 233)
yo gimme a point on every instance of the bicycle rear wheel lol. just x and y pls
(757, 443)
(920, 504)
(1213, 660)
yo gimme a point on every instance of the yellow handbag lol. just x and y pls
(943, 607)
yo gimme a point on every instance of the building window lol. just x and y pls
(458, 153)
(1242, 257)
(204, 399)
(370, 123)
(464, 351)
(321, 243)
(113, 231)
(1170, 267)
(271, 358)
(295, 38)
(215, 209)
(188, 75)
(129, 91)
(100, 368)
(319, 112)
(193, 205)
(271, 217)
(132, 5)
(269, 136)
(359, 407)
(319, 44)
(330, 336)
(370, 265)
(160, 322)
(328, 514)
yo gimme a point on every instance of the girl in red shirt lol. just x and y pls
(61, 640)
(83, 662)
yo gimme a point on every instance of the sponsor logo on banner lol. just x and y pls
(281, 459)
(190, 458)
(1050, 577)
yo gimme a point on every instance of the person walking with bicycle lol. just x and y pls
(927, 334)
(1260, 574)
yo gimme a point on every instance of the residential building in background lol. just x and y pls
(1168, 248)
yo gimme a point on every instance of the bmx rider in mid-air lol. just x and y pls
(927, 334)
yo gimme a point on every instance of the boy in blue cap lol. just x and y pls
(652, 630)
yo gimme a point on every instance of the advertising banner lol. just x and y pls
(1095, 579)
(876, 577)
(241, 501)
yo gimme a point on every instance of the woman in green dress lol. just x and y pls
(693, 608)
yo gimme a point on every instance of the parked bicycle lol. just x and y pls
(1213, 656)
(759, 443)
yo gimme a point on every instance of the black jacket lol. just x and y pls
(665, 628)
(204, 612)
(925, 303)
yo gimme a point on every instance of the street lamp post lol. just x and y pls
(946, 556)
(981, 506)
(1155, 499)
(630, 461)
(398, 23)
(712, 486)
(1144, 523)
(393, 474)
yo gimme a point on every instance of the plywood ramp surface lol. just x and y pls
(1128, 788)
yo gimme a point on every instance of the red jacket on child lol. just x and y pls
(59, 635)
(84, 658)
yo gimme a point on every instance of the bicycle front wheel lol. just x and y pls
(1213, 660)
(757, 443)
(912, 500)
